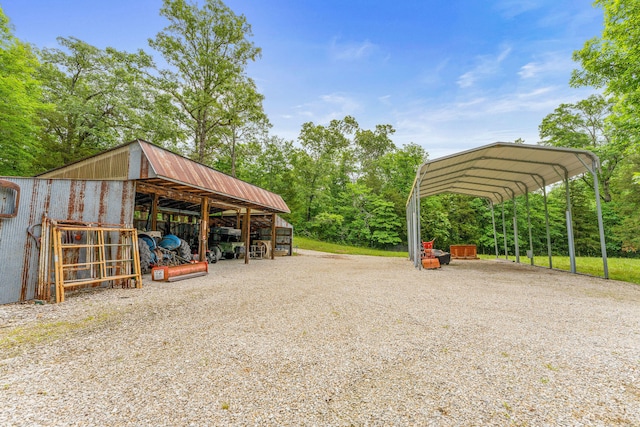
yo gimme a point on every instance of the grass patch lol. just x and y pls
(624, 269)
(45, 332)
(334, 248)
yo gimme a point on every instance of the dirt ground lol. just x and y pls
(321, 339)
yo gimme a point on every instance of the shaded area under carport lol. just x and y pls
(499, 172)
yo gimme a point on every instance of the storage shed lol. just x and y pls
(135, 183)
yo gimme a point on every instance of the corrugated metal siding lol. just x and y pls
(169, 165)
(108, 202)
(282, 223)
(110, 165)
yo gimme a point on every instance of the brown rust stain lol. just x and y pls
(127, 189)
(28, 247)
(80, 212)
(102, 208)
(72, 199)
(144, 167)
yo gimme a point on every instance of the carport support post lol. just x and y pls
(529, 225)
(247, 235)
(504, 233)
(493, 221)
(546, 218)
(204, 230)
(603, 246)
(569, 215)
(515, 230)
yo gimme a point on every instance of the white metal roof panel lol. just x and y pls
(502, 170)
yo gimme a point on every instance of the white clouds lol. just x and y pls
(488, 65)
(552, 63)
(351, 51)
(512, 8)
(386, 99)
(328, 107)
(446, 128)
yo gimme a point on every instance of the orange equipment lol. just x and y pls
(179, 272)
(429, 260)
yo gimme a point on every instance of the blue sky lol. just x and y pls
(448, 75)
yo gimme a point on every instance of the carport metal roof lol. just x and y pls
(502, 170)
(499, 172)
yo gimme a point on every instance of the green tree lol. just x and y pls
(246, 120)
(322, 164)
(611, 62)
(20, 103)
(267, 162)
(385, 225)
(583, 125)
(207, 50)
(370, 146)
(625, 230)
(101, 99)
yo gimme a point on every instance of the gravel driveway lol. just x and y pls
(330, 340)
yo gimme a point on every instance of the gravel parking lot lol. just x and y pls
(330, 340)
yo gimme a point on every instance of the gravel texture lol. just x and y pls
(330, 340)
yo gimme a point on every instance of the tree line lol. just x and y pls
(343, 183)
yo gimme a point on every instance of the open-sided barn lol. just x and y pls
(138, 185)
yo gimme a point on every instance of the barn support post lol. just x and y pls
(153, 212)
(203, 239)
(569, 219)
(247, 235)
(273, 235)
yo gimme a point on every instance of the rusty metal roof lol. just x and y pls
(153, 165)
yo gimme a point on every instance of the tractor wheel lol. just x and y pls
(145, 256)
(184, 251)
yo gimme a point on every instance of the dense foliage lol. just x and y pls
(343, 183)
(20, 103)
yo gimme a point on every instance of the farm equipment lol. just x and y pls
(433, 258)
(168, 251)
(429, 261)
(179, 272)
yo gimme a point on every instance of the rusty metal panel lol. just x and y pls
(169, 165)
(107, 202)
(142, 160)
(282, 223)
(110, 165)
(9, 199)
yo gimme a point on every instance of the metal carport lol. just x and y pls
(499, 172)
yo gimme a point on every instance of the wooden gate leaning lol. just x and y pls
(82, 254)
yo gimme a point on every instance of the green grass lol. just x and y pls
(21, 336)
(624, 269)
(315, 245)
